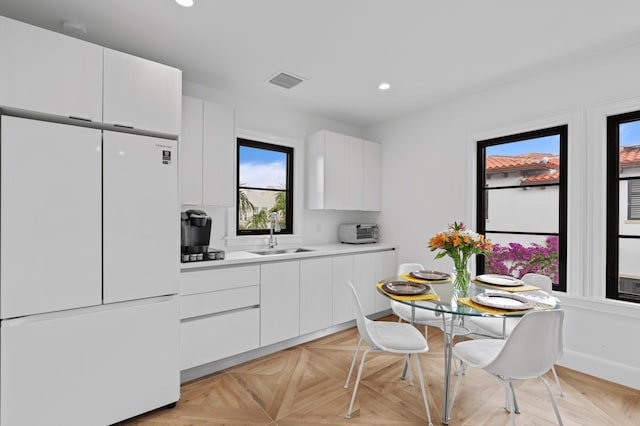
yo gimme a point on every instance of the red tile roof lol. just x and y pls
(517, 163)
(548, 164)
(630, 156)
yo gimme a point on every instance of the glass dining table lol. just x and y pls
(453, 310)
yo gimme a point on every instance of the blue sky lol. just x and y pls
(630, 133)
(262, 168)
(544, 145)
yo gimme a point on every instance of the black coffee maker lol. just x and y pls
(195, 227)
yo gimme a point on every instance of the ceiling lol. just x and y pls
(431, 51)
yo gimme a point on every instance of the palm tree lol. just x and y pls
(244, 205)
(258, 220)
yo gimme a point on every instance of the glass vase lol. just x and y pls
(461, 279)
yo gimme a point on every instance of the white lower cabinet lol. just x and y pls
(315, 294)
(363, 270)
(230, 310)
(279, 301)
(209, 339)
(386, 266)
(219, 314)
(364, 279)
(342, 298)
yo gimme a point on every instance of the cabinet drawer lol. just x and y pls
(217, 337)
(192, 282)
(195, 305)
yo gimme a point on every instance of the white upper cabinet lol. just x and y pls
(371, 175)
(191, 151)
(48, 72)
(141, 94)
(207, 153)
(343, 172)
(218, 154)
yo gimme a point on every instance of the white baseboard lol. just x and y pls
(602, 368)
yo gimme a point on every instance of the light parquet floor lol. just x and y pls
(303, 386)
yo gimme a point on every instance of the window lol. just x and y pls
(265, 187)
(633, 211)
(623, 206)
(522, 203)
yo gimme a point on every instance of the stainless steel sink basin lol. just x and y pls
(280, 251)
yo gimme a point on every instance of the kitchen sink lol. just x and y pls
(280, 251)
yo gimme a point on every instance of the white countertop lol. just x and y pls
(246, 257)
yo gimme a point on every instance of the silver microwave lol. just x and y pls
(358, 233)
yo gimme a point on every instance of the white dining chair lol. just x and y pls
(383, 336)
(532, 348)
(423, 317)
(501, 328)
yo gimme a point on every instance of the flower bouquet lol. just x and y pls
(459, 244)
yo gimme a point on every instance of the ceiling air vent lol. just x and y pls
(285, 80)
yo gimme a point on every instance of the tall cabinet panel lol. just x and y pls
(140, 93)
(50, 226)
(141, 228)
(49, 72)
(219, 149)
(191, 151)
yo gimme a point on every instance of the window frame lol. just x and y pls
(289, 214)
(613, 178)
(482, 193)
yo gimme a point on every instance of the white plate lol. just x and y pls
(503, 280)
(503, 300)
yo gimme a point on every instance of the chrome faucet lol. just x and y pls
(274, 226)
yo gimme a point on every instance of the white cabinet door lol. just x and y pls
(219, 156)
(141, 94)
(209, 339)
(140, 217)
(207, 153)
(342, 298)
(316, 294)
(191, 151)
(386, 266)
(364, 274)
(343, 172)
(49, 72)
(93, 366)
(371, 176)
(279, 301)
(50, 246)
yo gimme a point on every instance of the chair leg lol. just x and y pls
(424, 392)
(553, 400)
(353, 363)
(355, 388)
(555, 375)
(511, 400)
(516, 408)
(459, 374)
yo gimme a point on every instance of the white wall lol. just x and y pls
(429, 181)
(253, 116)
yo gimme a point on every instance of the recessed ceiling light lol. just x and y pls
(185, 3)
(384, 86)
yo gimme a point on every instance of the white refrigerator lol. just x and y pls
(89, 249)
